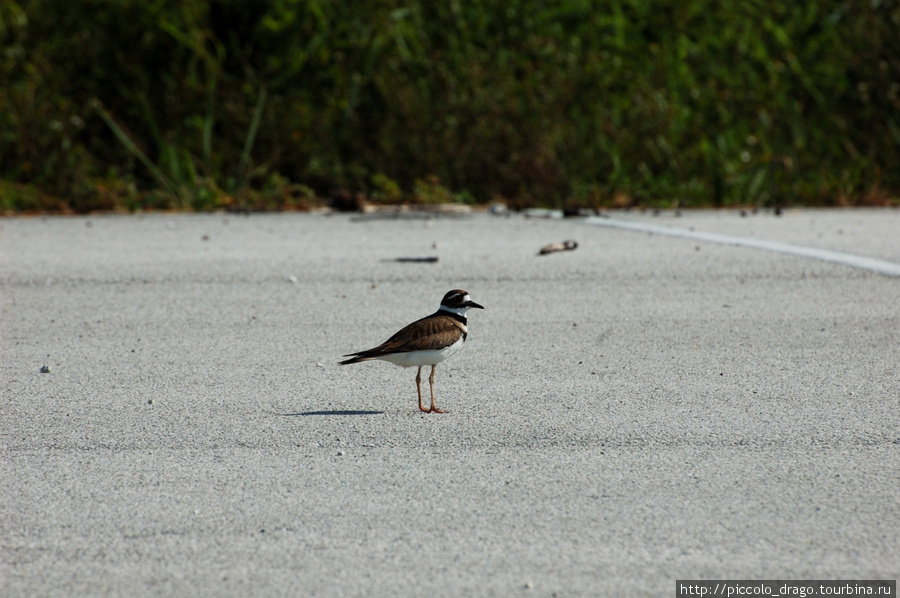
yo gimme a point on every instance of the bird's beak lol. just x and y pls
(471, 303)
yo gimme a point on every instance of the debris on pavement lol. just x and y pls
(554, 247)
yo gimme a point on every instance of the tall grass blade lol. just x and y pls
(251, 132)
(209, 120)
(132, 147)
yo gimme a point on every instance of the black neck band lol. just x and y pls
(458, 317)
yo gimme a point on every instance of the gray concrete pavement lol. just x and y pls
(640, 410)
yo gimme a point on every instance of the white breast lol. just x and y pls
(417, 358)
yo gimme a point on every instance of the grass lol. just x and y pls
(270, 105)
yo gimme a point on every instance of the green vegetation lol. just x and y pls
(268, 104)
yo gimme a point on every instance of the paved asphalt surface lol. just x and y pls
(639, 410)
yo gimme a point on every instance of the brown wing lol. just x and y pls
(427, 334)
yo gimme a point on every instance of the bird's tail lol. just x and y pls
(354, 358)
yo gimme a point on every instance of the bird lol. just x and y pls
(428, 341)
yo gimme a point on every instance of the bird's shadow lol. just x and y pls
(332, 412)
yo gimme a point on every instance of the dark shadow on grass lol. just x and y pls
(332, 412)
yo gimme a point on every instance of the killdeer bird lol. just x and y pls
(428, 341)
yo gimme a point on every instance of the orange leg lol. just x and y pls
(419, 389)
(434, 408)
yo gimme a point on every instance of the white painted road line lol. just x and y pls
(838, 257)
